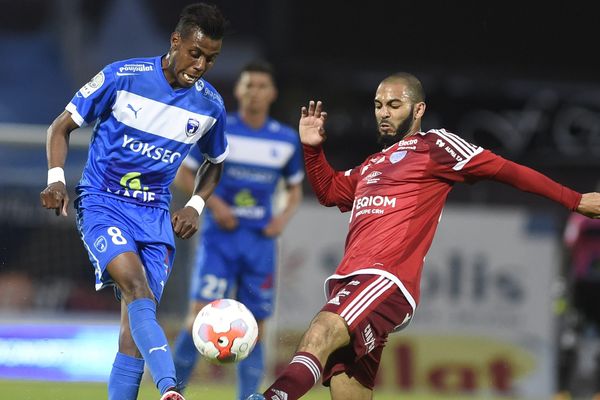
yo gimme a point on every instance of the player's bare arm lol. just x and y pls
(278, 223)
(55, 195)
(185, 221)
(222, 213)
(185, 179)
(590, 205)
(312, 124)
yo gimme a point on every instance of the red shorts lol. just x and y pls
(373, 307)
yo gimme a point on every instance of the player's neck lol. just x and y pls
(254, 120)
(409, 134)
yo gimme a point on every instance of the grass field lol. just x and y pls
(97, 391)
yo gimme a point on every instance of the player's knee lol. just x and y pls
(136, 289)
(327, 332)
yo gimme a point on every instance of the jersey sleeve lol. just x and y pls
(293, 172)
(213, 145)
(94, 99)
(457, 160)
(333, 188)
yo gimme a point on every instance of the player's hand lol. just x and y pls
(224, 216)
(590, 205)
(275, 227)
(312, 124)
(55, 197)
(185, 222)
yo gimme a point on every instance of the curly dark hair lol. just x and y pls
(205, 17)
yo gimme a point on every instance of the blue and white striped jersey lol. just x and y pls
(144, 130)
(258, 158)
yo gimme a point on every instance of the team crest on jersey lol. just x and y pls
(93, 85)
(101, 244)
(397, 156)
(199, 85)
(192, 127)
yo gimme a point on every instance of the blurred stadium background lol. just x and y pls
(519, 80)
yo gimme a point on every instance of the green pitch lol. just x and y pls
(97, 391)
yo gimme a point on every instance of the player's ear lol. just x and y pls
(175, 40)
(274, 94)
(419, 110)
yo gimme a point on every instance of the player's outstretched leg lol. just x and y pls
(327, 333)
(250, 372)
(152, 343)
(185, 356)
(141, 323)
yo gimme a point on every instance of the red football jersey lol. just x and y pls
(396, 198)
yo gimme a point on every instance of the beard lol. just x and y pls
(386, 140)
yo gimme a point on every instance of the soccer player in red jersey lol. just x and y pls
(395, 198)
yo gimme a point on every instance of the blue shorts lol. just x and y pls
(243, 260)
(109, 227)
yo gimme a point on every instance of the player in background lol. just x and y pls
(238, 245)
(149, 113)
(395, 198)
(582, 274)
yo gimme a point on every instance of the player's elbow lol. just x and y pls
(326, 200)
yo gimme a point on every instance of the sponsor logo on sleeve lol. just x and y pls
(213, 95)
(453, 154)
(93, 85)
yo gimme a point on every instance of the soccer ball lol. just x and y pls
(225, 331)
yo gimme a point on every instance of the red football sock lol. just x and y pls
(296, 379)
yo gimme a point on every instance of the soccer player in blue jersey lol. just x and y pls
(237, 249)
(148, 114)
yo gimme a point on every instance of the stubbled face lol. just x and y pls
(255, 91)
(190, 58)
(394, 112)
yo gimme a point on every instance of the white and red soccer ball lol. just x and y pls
(225, 331)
